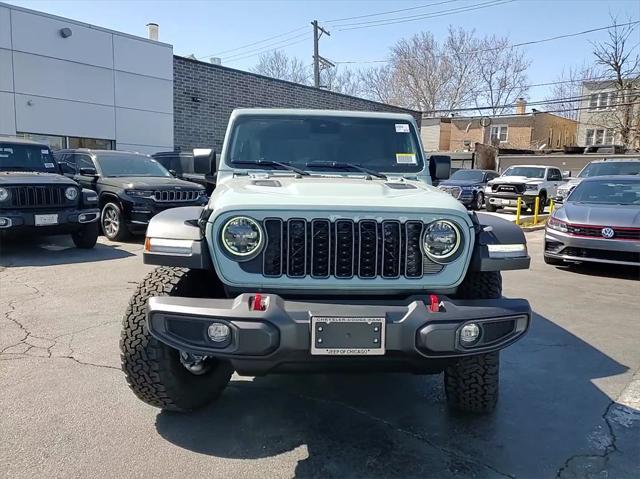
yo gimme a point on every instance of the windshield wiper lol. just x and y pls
(272, 163)
(339, 165)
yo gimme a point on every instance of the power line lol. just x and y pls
(242, 47)
(531, 42)
(412, 18)
(389, 12)
(278, 44)
(267, 51)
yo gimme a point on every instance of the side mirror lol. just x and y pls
(558, 200)
(213, 164)
(566, 175)
(173, 172)
(439, 167)
(88, 172)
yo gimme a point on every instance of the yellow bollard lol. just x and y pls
(518, 208)
(536, 210)
(551, 205)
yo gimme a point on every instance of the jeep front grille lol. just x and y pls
(175, 196)
(38, 196)
(344, 249)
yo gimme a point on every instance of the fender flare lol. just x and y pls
(492, 229)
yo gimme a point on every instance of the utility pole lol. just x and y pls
(318, 61)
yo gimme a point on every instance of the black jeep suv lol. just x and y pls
(35, 198)
(131, 188)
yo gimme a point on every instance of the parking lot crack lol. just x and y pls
(420, 437)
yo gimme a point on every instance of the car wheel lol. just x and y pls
(542, 202)
(86, 236)
(491, 208)
(479, 201)
(113, 224)
(471, 384)
(158, 374)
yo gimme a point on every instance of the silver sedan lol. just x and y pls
(599, 222)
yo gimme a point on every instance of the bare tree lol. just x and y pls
(341, 80)
(565, 95)
(382, 84)
(502, 74)
(616, 57)
(277, 64)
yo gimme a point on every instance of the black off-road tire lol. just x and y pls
(472, 383)
(490, 208)
(480, 285)
(153, 369)
(87, 236)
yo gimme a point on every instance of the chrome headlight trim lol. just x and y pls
(71, 193)
(4, 194)
(249, 254)
(450, 256)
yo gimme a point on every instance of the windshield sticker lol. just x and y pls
(406, 158)
(402, 128)
(49, 165)
(44, 152)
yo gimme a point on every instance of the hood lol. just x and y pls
(572, 182)
(515, 179)
(34, 178)
(331, 193)
(599, 215)
(459, 183)
(149, 183)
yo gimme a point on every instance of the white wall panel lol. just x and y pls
(61, 117)
(5, 27)
(144, 128)
(36, 75)
(6, 71)
(7, 114)
(142, 57)
(40, 34)
(144, 93)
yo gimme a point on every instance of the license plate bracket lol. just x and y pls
(344, 336)
(45, 220)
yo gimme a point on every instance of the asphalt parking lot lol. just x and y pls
(569, 405)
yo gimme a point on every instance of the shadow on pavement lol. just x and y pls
(604, 270)
(54, 250)
(398, 426)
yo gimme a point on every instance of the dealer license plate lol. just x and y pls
(44, 220)
(506, 202)
(347, 336)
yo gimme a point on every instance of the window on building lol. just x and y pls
(60, 142)
(92, 143)
(499, 133)
(603, 100)
(54, 142)
(600, 136)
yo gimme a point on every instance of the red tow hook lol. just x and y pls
(258, 304)
(434, 303)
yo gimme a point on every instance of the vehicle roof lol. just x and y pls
(21, 141)
(327, 113)
(89, 150)
(615, 160)
(612, 178)
(533, 166)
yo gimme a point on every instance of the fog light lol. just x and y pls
(219, 332)
(5, 222)
(469, 333)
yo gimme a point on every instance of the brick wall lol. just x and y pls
(204, 95)
(553, 131)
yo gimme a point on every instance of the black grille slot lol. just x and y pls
(390, 249)
(413, 252)
(297, 248)
(343, 249)
(272, 259)
(175, 196)
(38, 196)
(368, 249)
(320, 248)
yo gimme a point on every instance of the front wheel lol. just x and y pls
(113, 223)
(158, 374)
(479, 201)
(491, 208)
(87, 236)
(472, 383)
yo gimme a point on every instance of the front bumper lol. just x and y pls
(68, 220)
(571, 248)
(278, 339)
(510, 199)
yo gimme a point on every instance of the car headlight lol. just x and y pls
(441, 241)
(139, 193)
(242, 236)
(531, 187)
(556, 224)
(71, 193)
(4, 194)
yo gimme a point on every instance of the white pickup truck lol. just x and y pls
(526, 181)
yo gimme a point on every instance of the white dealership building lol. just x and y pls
(78, 85)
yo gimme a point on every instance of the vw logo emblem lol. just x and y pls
(607, 232)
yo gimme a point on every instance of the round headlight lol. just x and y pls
(242, 236)
(71, 193)
(441, 240)
(4, 194)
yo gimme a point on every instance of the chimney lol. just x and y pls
(521, 106)
(152, 31)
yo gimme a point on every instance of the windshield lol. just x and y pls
(468, 175)
(610, 168)
(375, 143)
(526, 171)
(26, 158)
(130, 165)
(625, 192)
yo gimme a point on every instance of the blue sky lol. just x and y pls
(208, 27)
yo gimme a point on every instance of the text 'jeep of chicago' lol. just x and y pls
(323, 248)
